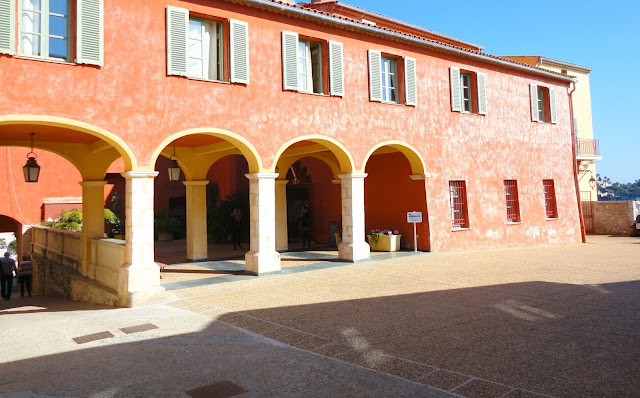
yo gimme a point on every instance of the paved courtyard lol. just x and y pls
(560, 321)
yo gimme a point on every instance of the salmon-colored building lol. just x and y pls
(386, 118)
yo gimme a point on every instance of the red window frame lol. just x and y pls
(458, 195)
(511, 199)
(550, 199)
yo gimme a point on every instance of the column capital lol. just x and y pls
(139, 174)
(262, 176)
(336, 182)
(88, 184)
(195, 183)
(352, 175)
(282, 182)
(420, 177)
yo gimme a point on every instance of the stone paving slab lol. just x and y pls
(185, 354)
(558, 321)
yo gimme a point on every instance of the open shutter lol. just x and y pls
(90, 28)
(534, 102)
(482, 93)
(7, 26)
(411, 97)
(375, 84)
(289, 60)
(336, 69)
(239, 43)
(456, 100)
(177, 37)
(552, 104)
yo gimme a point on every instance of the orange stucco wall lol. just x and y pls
(24, 201)
(132, 97)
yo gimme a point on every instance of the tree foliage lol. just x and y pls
(608, 190)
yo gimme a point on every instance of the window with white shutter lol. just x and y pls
(46, 30)
(543, 104)
(468, 91)
(306, 62)
(392, 79)
(7, 26)
(197, 47)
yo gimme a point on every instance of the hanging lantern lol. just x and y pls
(174, 167)
(31, 169)
(592, 182)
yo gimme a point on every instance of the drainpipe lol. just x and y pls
(575, 162)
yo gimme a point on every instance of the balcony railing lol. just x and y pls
(586, 147)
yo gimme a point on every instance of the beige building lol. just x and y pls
(587, 148)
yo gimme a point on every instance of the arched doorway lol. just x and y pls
(395, 185)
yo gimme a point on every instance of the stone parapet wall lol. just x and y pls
(615, 217)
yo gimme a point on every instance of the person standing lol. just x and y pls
(236, 228)
(25, 271)
(305, 224)
(8, 266)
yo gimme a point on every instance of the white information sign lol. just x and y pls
(414, 216)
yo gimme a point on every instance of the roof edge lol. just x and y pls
(279, 7)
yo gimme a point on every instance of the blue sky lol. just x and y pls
(601, 35)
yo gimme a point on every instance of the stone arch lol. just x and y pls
(242, 144)
(108, 139)
(413, 156)
(344, 158)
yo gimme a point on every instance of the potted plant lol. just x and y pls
(165, 226)
(384, 240)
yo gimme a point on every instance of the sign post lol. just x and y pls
(414, 217)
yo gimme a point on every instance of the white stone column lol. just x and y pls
(282, 233)
(196, 219)
(262, 257)
(139, 276)
(92, 219)
(353, 246)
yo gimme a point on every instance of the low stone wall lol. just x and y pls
(615, 217)
(56, 257)
(57, 265)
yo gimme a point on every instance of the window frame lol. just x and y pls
(550, 202)
(219, 28)
(391, 74)
(312, 66)
(543, 104)
(458, 190)
(512, 201)
(45, 34)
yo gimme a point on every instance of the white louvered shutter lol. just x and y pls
(239, 44)
(336, 69)
(90, 28)
(534, 102)
(289, 60)
(482, 93)
(456, 99)
(7, 26)
(177, 38)
(411, 95)
(375, 82)
(552, 104)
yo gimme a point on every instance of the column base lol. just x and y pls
(354, 251)
(261, 263)
(197, 257)
(138, 284)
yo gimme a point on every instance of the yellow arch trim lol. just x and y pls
(347, 165)
(118, 143)
(412, 155)
(247, 149)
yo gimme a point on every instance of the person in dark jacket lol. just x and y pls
(25, 271)
(8, 267)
